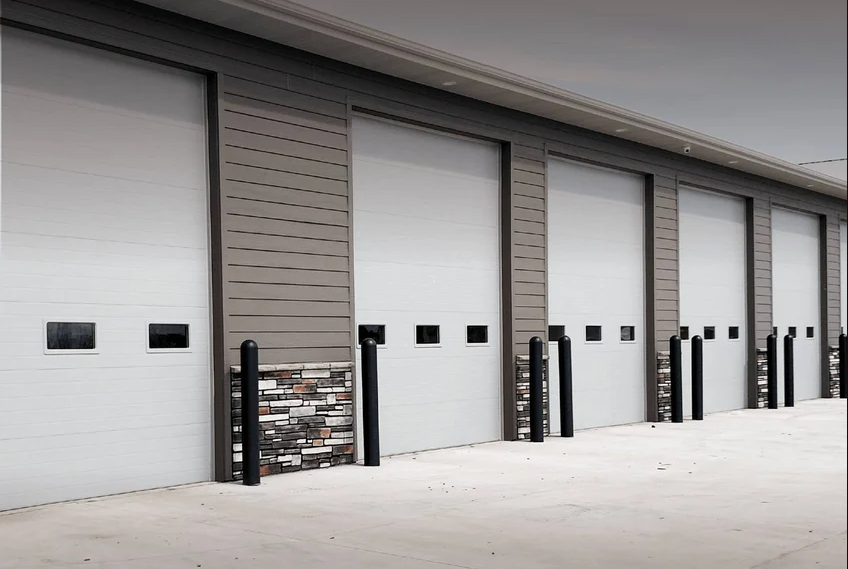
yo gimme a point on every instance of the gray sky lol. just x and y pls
(766, 74)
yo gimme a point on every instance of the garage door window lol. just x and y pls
(167, 337)
(477, 335)
(684, 332)
(733, 333)
(628, 333)
(811, 332)
(70, 337)
(793, 331)
(594, 334)
(555, 333)
(709, 333)
(427, 335)
(376, 332)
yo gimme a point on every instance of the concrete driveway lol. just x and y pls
(749, 489)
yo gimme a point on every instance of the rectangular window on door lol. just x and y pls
(427, 335)
(594, 334)
(793, 331)
(733, 333)
(709, 333)
(628, 333)
(167, 337)
(555, 333)
(684, 332)
(70, 337)
(476, 335)
(811, 332)
(376, 332)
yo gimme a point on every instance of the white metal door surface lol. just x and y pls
(843, 276)
(713, 296)
(596, 290)
(796, 284)
(104, 232)
(427, 253)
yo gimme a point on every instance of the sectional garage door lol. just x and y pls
(713, 296)
(843, 275)
(597, 291)
(104, 316)
(427, 282)
(796, 282)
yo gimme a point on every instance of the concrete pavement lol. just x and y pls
(748, 489)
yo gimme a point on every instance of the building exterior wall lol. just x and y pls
(282, 271)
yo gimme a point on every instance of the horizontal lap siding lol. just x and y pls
(666, 277)
(529, 246)
(832, 279)
(286, 223)
(760, 269)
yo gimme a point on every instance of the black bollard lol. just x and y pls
(370, 403)
(843, 366)
(250, 412)
(566, 399)
(676, 379)
(771, 351)
(537, 425)
(697, 378)
(788, 371)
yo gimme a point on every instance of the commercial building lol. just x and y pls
(176, 182)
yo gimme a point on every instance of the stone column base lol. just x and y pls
(522, 396)
(305, 417)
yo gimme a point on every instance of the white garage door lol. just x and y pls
(795, 258)
(104, 233)
(843, 276)
(427, 278)
(596, 291)
(713, 296)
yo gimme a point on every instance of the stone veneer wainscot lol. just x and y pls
(305, 417)
(663, 386)
(522, 396)
(833, 369)
(762, 378)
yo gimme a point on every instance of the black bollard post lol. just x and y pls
(676, 379)
(370, 403)
(537, 425)
(788, 371)
(697, 378)
(566, 399)
(250, 412)
(843, 366)
(771, 350)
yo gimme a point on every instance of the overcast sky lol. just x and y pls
(766, 74)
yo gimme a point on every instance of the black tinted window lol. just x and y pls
(70, 335)
(428, 334)
(167, 336)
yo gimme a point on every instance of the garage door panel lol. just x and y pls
(578, 294)
(380, 141)
(425, 190)
(436, 242)
(398, 287)
(596, 272)
(714, 294)
(104, 220)
(795, 255)
(426, 252)
(615, 262)
(115, 163)
(100, 193)
(843, 274)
